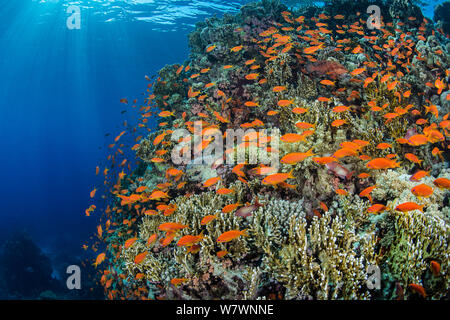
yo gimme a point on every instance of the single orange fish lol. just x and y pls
(129, 242)
(409, 206)
(422, 190)
(231, 207)
(327, 82)
(382, 163)
(252, 76)
(338, 123)
(177, 281)
(189, 240)
(357, 71)
(304, 125)
(277, 178)
(171, 226)
(140, 257)
(419, 175)
(435, 267)
(341, 192)
(100, 258)
(292, 137)
(442, 183)
(413, 158)
(207, 219)
(222, 253)
(295, 157)
(231, 235)
(376, 208)
(324, 160)
(279, 89)
(418, 289)
(210, 182)
(211, 48)
(224, 191)
(285, 103)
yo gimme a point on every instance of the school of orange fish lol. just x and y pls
(387, 62)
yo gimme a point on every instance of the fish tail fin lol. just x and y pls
(290, 174)
(244, 233)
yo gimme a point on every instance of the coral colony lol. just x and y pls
(340, 166)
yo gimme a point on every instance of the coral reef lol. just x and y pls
(349, 127)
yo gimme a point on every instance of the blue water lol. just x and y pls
(60, 93)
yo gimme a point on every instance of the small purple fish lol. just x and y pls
(247, 211)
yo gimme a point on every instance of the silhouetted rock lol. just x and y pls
(442, 14)
(24, 269)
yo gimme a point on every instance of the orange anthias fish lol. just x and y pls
(442, 183)
(422, 190)
(211, 48)
(279, 88)
(252, 76)
(376, 208)
(231, 235)
(129, 242)
(419, 175)
(324, 160)
(140, 257)
(313, 49)
(222, 253)
(366, 192)
(295, 157)
(277, 178)
(327, 82)
(172, 226)
(230, 207)
(189, 240)
(224, 191)
(413, 158)
(357, 71)
(212, 181)
(292, 137)
(177, 281)
(207, 219)
(435, 267)
(418, 289)
(157, 195)
(382, 163)
(285, 103)
(408, 206)
(100, 258)
(237, 48)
